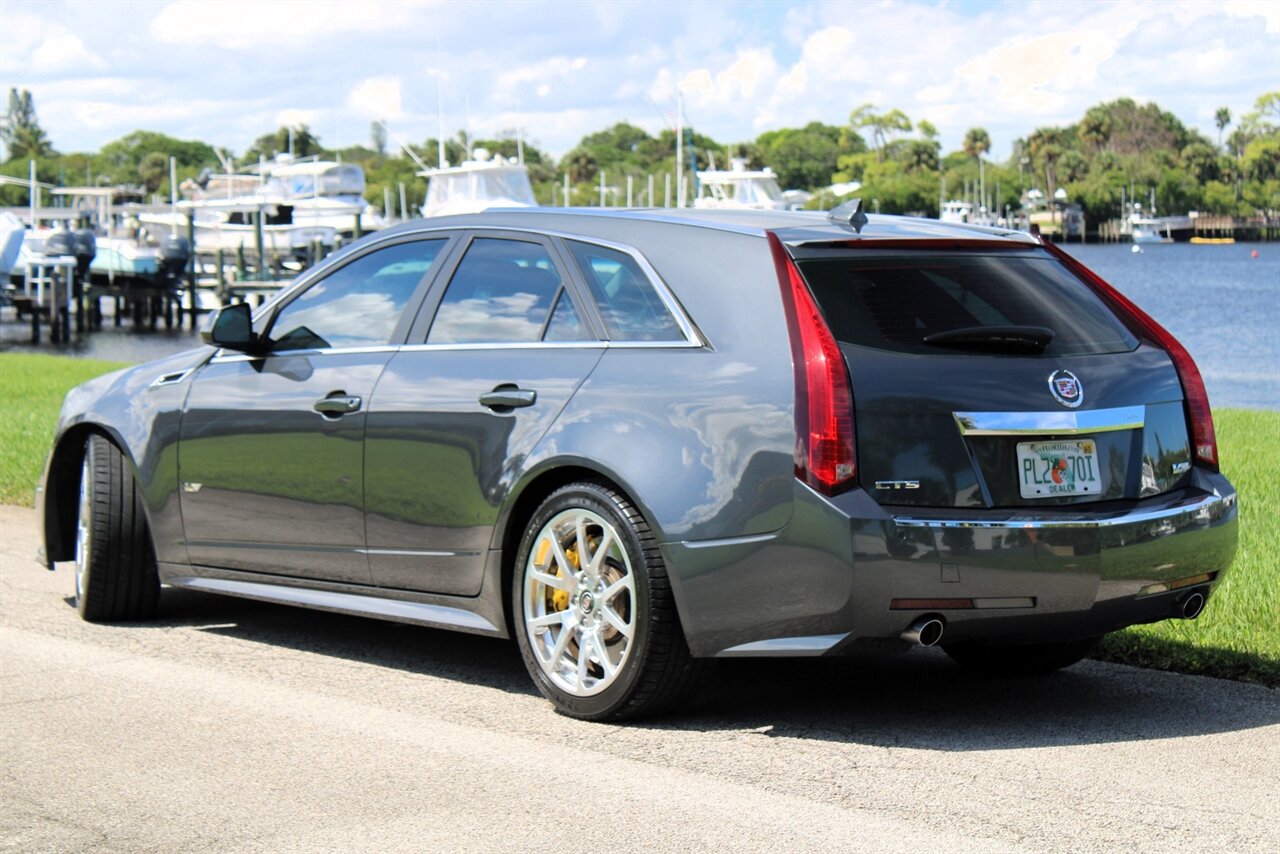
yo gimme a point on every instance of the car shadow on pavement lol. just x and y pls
(923, 700)
(919, 699)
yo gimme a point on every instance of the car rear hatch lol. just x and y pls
(995, 377)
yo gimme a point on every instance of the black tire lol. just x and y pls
(1020, 659)
(116, 577)
(653, 670)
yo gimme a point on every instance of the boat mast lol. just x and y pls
(679, 148)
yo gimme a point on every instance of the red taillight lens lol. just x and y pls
(824, 402)
(1199, 416)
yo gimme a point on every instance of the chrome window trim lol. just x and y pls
(1209, 503)
(512, 345)
(1056, 422)
(692, 337)
(222, 357)
(690, 332)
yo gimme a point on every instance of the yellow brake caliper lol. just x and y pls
(559, 599)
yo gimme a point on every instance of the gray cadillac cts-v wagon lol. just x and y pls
(639, 440)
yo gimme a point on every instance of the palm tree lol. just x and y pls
(977, 142)
(1222, 118)
(1045, 148)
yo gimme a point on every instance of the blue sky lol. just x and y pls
(228, 71)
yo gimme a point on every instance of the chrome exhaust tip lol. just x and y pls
(1192, 605)
(925, 631)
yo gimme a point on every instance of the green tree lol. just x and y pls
(299, 139)
(883, 126)
(153, 170)
(1221, 118)
(806, 157)
(977, 142)
(20, 131)
(1046, 147)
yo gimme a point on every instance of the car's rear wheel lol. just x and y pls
(594, 613)
(116, 576)
(1020, 659)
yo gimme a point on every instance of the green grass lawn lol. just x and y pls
(1238, 636)
(33, 386)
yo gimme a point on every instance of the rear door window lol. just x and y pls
(506, 292)
(896, 302)
(629, 304)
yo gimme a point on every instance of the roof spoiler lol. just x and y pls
(849, 214)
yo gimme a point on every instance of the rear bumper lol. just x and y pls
(848, 569)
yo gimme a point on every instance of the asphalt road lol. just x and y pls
(235, 725)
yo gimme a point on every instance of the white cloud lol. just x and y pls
(33, 45)
(511, 84)
(292, 118)
(377, 98)
(285, 25)
(1033, 72)
(1268, 10)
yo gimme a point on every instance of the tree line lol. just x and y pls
(1119, 150)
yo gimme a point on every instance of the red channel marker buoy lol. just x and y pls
(1253, 254)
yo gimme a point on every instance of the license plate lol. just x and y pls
(1049, 469)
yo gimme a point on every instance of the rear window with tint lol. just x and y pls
(895, 302)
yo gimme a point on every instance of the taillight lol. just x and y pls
(1199, 416)
(824, 402)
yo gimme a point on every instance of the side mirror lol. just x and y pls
(231, 327)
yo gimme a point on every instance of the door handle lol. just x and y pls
(337, 404)
(505, 398)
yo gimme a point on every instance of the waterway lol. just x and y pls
(1221, 302)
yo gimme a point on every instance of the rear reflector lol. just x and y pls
(824, 401)
(1199, 416)
(930, 604)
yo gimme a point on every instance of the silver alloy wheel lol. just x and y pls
(84, 531)
(579, 602)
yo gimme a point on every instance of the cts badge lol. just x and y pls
(1066, 388)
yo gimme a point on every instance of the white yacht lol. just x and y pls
(478, 184)
(739, 187)
(324, 192)
(224, 209)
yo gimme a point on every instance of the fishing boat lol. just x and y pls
(477, 184)
(1160, 229)
(739, 187)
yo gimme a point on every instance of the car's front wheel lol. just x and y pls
(116, 576)
(594, 613)
(1020, 659)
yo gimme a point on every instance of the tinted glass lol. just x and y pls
(359, 304)
(501, 293)
(565, 325)
(629, 305)
(894, 302)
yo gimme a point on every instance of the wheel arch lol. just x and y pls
(533, 490)
(62, 486)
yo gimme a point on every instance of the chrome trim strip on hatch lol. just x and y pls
(1057, 423)
(1208, 505)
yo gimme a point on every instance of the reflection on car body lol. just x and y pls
(639, 441)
